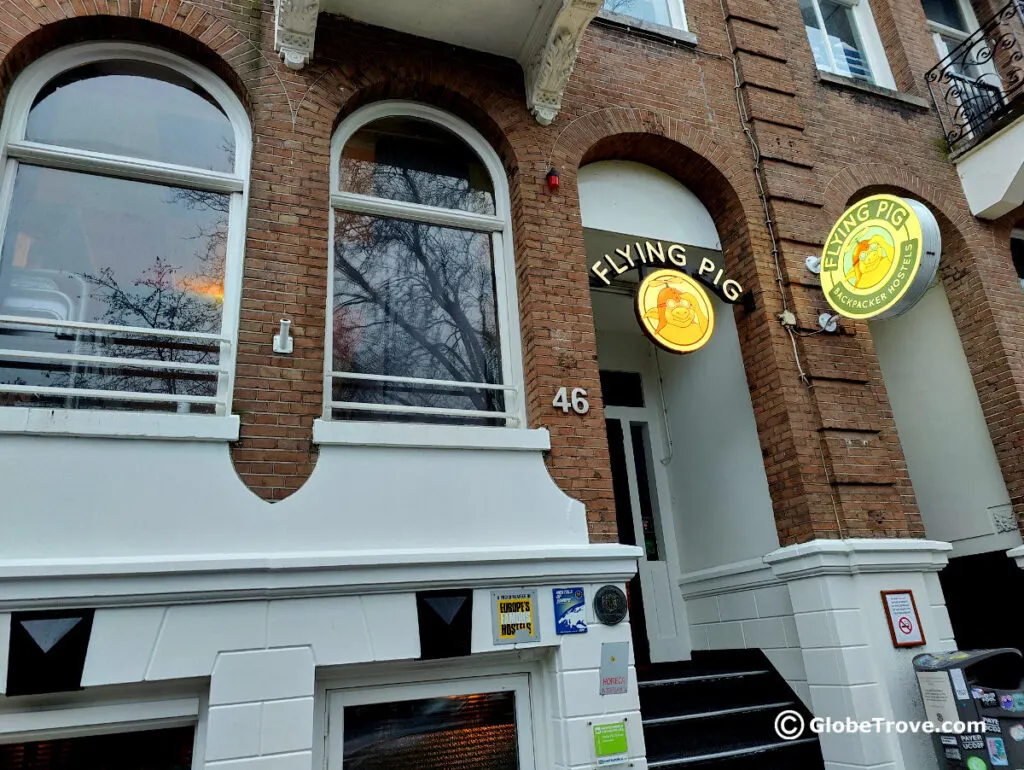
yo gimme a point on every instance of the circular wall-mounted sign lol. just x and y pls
(880, 258)
(610, 605)
(674, 311)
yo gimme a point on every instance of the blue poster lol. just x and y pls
(570, 611)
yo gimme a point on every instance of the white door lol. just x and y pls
(480, 722)
(642, 499)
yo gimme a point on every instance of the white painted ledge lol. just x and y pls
(32, 421)
(142, 581)
(422, 436)
(992, 173)
(1017, 554)
(745, 575)
(858, 556)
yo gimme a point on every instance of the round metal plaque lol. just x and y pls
(610, 605)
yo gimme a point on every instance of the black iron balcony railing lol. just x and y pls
(979, 87)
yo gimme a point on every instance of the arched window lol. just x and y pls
(122, 229)
(423, 320)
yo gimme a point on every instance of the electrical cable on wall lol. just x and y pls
(770, 224)
(664, 410)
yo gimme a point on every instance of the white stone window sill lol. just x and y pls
(343, 432)
(33, 421)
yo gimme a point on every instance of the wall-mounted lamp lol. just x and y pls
(283, 342)
(813, 264)
(828, 322)
(552, 179)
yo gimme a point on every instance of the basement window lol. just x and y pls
(169, 749)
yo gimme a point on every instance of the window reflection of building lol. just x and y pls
(418, 286)
(113, 276)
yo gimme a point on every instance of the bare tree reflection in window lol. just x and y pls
(624, 7)
(414, 299)
(413, 161)
(165, 296)
(117, 252)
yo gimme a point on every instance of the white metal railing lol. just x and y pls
(509, 415)
(96, 330)
(85, 326)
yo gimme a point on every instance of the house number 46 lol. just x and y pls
(577, 400)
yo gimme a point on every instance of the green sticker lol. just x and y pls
(976, 763)
(610, 740)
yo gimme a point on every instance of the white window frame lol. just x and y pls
(985, 69)
(498, 225)
(867, 36)
(676, 14)
(15, 149)
(337, 700)
(959, 35)
(971, 20)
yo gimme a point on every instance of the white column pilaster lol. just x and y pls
(261, 710)
(853, 670)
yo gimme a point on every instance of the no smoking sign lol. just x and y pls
(904, 622)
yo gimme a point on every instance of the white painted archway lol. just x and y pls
(717, 514)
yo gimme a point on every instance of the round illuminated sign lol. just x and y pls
(880, 257)
(674, 311)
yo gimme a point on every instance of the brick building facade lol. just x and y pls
(775, 149)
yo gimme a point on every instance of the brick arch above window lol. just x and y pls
(212, 38)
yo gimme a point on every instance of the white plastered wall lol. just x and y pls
(255, 666)
(121, 499)
(952, 463)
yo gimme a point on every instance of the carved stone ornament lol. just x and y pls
(550, 62)
(295, 31)
(1004, 518)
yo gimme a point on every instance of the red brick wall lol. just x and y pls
(831, 453)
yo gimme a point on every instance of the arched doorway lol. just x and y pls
(951, 460)
(688, 473)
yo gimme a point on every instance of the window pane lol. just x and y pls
(1017, 253)
(846, 49)
(814, 35)
(466, 732)
(414, 300)
(642, 461)
(945, 12)
(86, 248)
(416, 161)
(654, 11)
(622, 388)
(135, 109)
(148, 750)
